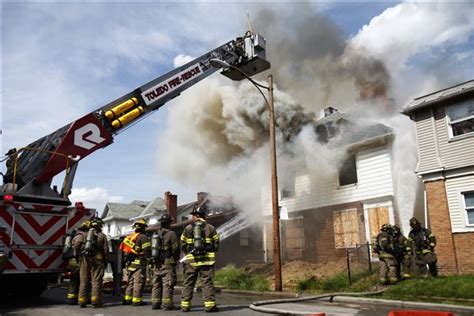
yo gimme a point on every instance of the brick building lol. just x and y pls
(445, 134)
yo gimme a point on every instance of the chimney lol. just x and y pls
(201, 196)
(171, 202)
(329, 110)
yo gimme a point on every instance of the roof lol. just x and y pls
(342, 129)
(438, 96)
(123, 211)
(155, 207)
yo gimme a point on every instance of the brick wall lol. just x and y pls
(440, 224)
(464, 252)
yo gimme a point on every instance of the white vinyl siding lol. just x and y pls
(374, 173)
(425, 134)
(454, 189)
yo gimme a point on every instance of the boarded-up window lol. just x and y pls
(346, 228)
(377, 217)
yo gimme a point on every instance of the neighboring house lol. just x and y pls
(152, 212)
(116, 217)
(445, 134)
(343, 210)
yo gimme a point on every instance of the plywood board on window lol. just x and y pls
(377, 217)
(346, 228)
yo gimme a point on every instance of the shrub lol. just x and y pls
(234, 278)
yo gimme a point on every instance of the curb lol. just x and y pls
(402, 304)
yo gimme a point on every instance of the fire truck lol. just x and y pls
(35, 215)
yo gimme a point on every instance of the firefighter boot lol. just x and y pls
(155, 306)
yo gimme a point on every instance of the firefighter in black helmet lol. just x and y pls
(165, 255)
(199, 242)
(94, 250)
(424, 243)
(136, 249)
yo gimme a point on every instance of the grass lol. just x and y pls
(233, 278)
(454, 289)
(361, 281)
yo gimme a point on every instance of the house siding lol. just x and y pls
(374, 173)
(427, 147)
(454, 188)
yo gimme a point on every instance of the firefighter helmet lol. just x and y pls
(141, 223)
(97, 223)
(165, 219)
(414, 222)
(86, 225)
(386, 227)
(199, 211)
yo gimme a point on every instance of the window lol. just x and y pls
(346, 228)
(469, 206)
(461, 118)
(348, 172)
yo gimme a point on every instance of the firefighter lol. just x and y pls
(136, 249)
(383, 246)
(165, 255)
(199, 242)
(424, 243)
(403, 253)
(73, 260)
(94, 250)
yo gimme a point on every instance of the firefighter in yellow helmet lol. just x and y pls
(94, 250)
(73, 258)
(199, 242)
(136, 249)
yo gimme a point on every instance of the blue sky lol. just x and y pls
(62, 60)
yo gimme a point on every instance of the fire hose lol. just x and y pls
(257, 306)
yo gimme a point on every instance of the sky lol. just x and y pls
(61, 60)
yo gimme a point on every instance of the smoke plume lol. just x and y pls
(217, 136)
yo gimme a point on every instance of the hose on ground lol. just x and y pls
(257, 306)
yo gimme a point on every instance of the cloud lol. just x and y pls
(182, 59)
(407, 29)
(93, 197)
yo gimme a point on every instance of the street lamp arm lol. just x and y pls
(217, 63)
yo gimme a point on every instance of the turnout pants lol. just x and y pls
(135, 283)
(191, 274)
(429, 259)
(164, 280)
(73, 289)
(91, 272)
(388, 270)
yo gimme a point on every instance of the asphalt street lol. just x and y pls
(52, 302)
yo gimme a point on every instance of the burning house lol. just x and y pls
(328, 212)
